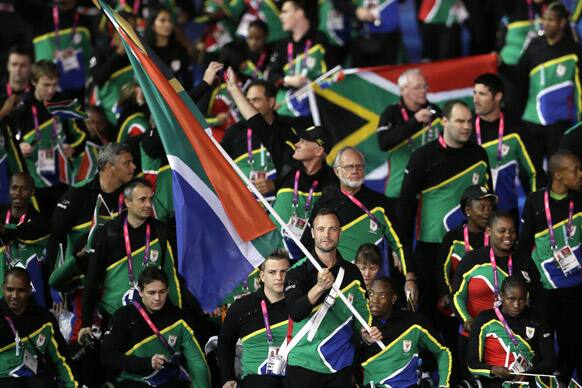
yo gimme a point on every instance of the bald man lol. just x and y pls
(549, 245)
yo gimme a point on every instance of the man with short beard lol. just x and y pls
(363, 213)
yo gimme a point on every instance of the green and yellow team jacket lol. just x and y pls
(554, 81)
(129, 344)
(108, 266)
(491, 345)
(534, 239)
(40, 338)
(244, 321)
(405, 334)
(332, 348)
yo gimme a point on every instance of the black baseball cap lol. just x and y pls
(318, 135)
(477, 192)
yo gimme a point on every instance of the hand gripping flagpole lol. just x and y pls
(290, 234)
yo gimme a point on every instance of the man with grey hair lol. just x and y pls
(101, 196)
(124, 247)
(362, 212)
(406, 126)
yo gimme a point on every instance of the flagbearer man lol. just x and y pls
(407, 333)
(321, 352)
(494, 131)
(549, 244)
(148, 340)
(124, 247)
(260, 320)
(29, 337)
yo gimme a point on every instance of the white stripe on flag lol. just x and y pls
(379, 81)
(247, 249)
(450, 94)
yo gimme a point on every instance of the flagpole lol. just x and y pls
(532, 374)
(290, 234)
(301, 92)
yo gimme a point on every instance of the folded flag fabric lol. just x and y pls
(68, 110)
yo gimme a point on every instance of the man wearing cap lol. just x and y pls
(495, 132)
(304, 175)
(406, 126)
(434, 180)
(477, 203)
(248, 140)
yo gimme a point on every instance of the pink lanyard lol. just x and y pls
(548, 212)
(120, 203)
(296, 193)
(500, 133)
(123, 4)
(14, 333)
(305, 52)
(466, 238)
(404, 113)
(37, 135)
(359, 204)
(9, 89)
(495, 276)
(442, 142)
(152, 326)
(146, 255)
(56, 22)
(506, 326)
(250, 147)
(289, 53)
(9, 215)
(268, 330)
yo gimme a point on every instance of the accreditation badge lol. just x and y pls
(566, 260)
(68, 60)
(46, 161)
(520, 365)
(276, 364)
(373, 227)
(256, 175)
(297, 225)
(30, 361)
(130, 295)
(154, 255)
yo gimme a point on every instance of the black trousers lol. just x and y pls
(561, 307)
(440, 41)
(541, 142)
(27, 382)
(257, 381)
(376, 49)
(298, 377)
